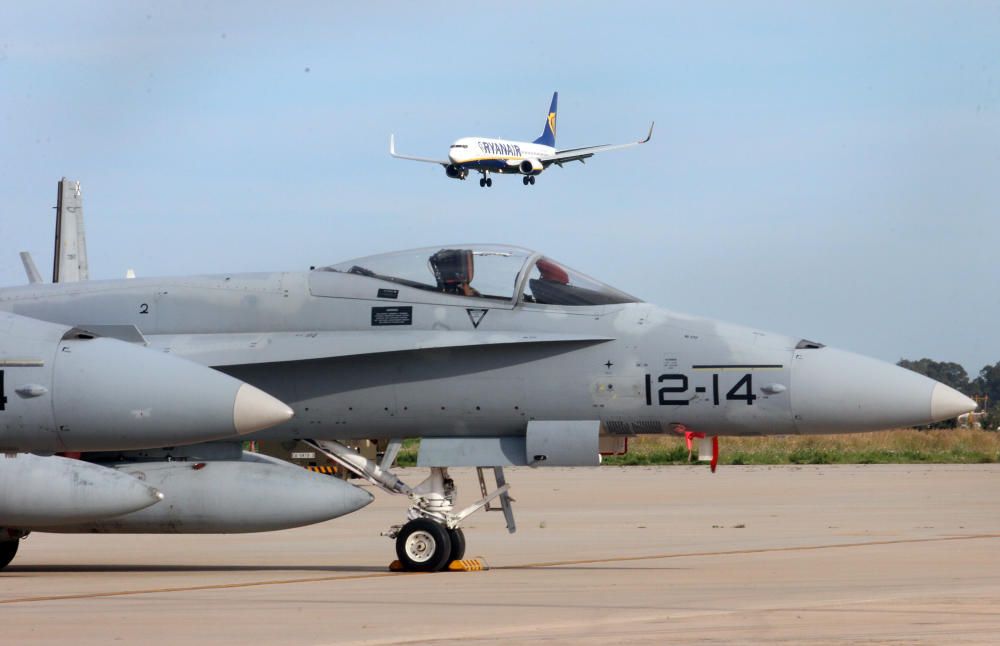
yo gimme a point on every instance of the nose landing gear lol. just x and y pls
(485, 180)
(432, 539)
(423, 546)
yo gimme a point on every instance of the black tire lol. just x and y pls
(457, 537)
(423, 546)
(489, 181)
(7, 551)
(482, 182)
(532, 179)
(524, 180)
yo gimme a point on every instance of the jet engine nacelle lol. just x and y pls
(455, 172)
(66, 389)
(254, 494)
(53, 490)
(530, 167)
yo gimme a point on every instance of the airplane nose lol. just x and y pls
(834, 391)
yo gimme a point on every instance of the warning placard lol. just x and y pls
(402, 315)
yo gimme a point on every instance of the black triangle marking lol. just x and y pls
(476, 316)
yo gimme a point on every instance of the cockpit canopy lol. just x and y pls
(496, 272)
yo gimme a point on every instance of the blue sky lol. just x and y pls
(830, 170)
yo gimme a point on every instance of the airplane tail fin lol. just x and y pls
(548, 137)
(69, 262)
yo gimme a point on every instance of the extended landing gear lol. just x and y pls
(431, 540)
(485, 181)
(457, 537)
(423, 545)
(528, 179)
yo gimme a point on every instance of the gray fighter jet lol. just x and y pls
(493, 355)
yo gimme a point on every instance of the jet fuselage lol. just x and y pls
(360, 354)
(498, 155)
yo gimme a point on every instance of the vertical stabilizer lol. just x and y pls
(548, 137)
(70, 258)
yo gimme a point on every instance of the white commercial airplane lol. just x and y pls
(484, 155)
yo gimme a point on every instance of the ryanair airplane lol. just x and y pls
(485, 156)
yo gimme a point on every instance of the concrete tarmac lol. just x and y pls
(859, 554)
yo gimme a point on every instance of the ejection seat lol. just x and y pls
(454, 270)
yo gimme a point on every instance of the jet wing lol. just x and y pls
(219, 350)
(392, 151)
(560, 157)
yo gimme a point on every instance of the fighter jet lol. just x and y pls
(485, 155)
(493, 355)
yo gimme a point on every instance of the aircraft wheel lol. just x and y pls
(524, 180)
(482, 182)
(457, 537)
(423, 546)
(9, 548)
(489, 181)
(532, 180)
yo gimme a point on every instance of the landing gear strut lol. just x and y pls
(431, 538)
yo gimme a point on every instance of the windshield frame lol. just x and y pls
(522, 276)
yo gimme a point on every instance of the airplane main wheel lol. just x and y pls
(482, 182)
(524, 180)
(532, 180)
(489, 181)
(423, 546)
(457, 537)
(7, 551)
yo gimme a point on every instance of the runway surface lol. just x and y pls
(863, 554)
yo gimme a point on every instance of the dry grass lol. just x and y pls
(962, 446)
(901, 446)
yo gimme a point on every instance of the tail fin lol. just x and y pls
(548, 137)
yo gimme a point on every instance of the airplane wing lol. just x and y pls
(579, 154)
(392, 151)
(237, 349)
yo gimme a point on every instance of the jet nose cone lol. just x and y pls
(255, 410)
(839, 392)
(948, 403)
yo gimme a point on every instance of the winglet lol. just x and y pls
(650, 135)
(392, 145)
